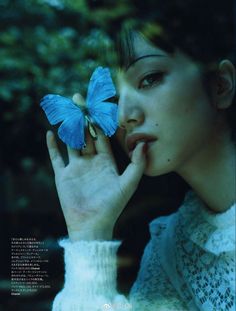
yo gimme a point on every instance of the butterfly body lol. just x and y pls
(76, 116)
(91, 128)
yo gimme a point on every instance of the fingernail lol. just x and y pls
(49, 133)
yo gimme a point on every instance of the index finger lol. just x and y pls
(55, 156)
(102, 143)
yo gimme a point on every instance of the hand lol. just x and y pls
(91, 192)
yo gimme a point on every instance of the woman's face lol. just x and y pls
(162, 101)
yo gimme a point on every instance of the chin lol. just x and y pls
(151, 172)
(158, 166)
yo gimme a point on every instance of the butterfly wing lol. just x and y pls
(61, 109)
(71, 131)
(57, 108)
(100, 87)
(104, 114)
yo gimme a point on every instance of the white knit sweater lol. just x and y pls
(188, 264)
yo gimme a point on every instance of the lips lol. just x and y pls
(133, 140)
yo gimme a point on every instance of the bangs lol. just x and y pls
(126, 37)
(125, 48)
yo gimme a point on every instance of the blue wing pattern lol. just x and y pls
(101, 88)
(61, 109)
(57, 108)
(71, 131)
(104, 114)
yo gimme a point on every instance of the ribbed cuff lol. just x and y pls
(90, 267)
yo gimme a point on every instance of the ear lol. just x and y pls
(224, 88)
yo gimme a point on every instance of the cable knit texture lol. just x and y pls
(188, 264)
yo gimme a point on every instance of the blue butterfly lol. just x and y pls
(76, 117)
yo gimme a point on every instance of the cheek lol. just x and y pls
(182, 102)
(185, 121)
(185, 94)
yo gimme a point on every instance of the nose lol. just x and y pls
(130, 112)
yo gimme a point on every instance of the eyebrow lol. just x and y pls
(142, 57)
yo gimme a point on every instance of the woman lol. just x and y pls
(174, 117)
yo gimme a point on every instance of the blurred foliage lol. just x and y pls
(47, 46)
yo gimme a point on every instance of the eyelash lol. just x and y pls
(156, 78)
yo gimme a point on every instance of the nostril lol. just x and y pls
(131, 121)
(130, 116)
(126, 123)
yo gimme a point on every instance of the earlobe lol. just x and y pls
(225, 84)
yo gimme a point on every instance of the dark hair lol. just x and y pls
(203, 29)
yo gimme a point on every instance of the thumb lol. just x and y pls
(129, 180)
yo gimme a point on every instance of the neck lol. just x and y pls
(212, 174)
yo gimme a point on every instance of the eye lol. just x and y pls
(150, 80)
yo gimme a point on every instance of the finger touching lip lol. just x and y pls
(134, 139)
